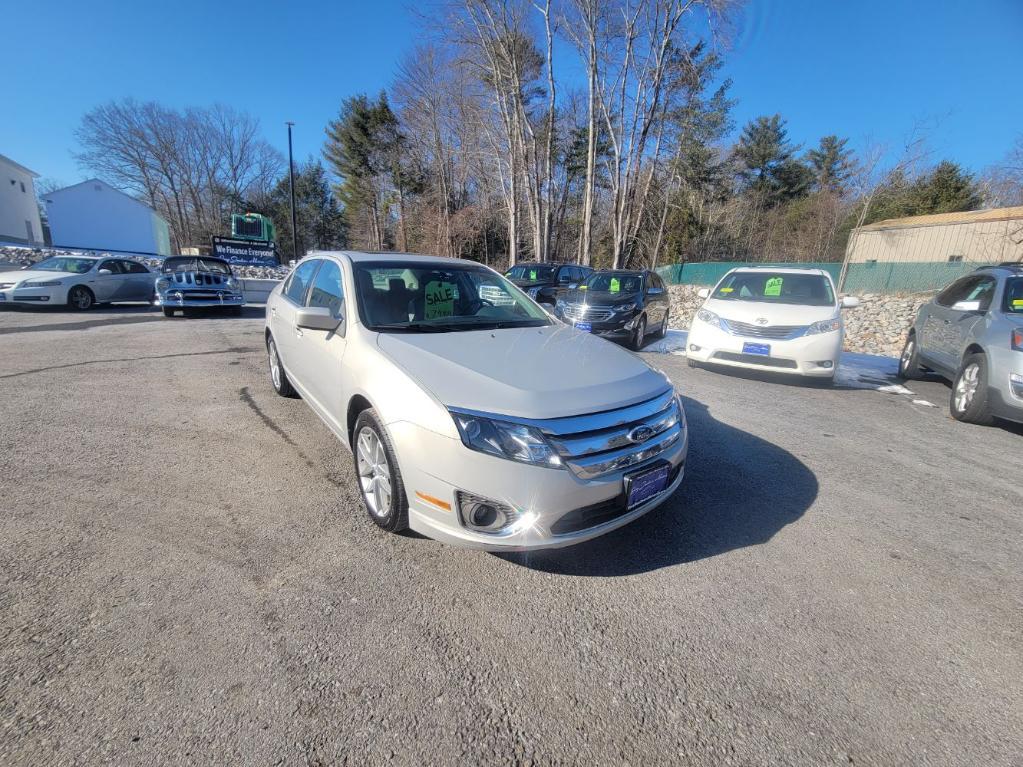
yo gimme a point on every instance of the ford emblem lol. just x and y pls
(640, 434)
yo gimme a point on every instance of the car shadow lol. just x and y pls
(739, 490)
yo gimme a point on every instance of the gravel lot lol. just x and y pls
(187, 577)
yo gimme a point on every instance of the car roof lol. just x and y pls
(362, 256)
(1007, 269)
(622, 271)
(780, 269)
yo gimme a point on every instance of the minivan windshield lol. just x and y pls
(417, 297)
(614, 282)
(776, 288)
(65, 264)
(531, 272)
(1014, 295)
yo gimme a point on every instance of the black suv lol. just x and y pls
(546, 282)
(623, 305)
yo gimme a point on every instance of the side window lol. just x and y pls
(565, 275)
(957, 291)
(327, 291)
(133, 267)
(298, 283)
(983, 291)
(113, 266)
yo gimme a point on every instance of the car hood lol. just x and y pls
(545, 372)
(775, 314)
(601, 298)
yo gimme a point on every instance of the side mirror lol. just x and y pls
(573, 286)
(849, 302)
(703, 293)
(966, 306)
(104, 271)
(316, 318)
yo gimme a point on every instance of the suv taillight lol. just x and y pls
(1017, 339)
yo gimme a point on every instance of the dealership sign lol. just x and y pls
(256, 252)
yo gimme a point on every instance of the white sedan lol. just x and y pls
(770, 318)
(79, 282)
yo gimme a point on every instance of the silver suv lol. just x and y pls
(972, 334)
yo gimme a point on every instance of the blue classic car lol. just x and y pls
(191, 282)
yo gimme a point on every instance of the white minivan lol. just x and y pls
(773, 318)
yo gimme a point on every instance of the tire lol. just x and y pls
(80, 298)
(909, 360)
(636, 341)
(693, 364)
(376, 469)
(168, 311)
(969, 399)
(278, 376)
(664, 327)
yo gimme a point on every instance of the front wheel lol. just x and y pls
(278, 377)
(168, 311)
(909, 361)
(80, 298)
(376, 467)
(638, 335)
(969, 399)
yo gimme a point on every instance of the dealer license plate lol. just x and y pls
(587, 326)
(3, 297)
(764, 350)
(644, 485)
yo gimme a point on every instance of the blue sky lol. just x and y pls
(868, 70)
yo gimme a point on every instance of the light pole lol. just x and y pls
(291, 183)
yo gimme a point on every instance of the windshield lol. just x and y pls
(531, 272)
(414, 297)
(191, 264)
(614, 282)
(1014, 295)
(64, 264)
(776, 288)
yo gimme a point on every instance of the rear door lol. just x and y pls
(287, 334)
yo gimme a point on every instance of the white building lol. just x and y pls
(93, 215)
(19, 211)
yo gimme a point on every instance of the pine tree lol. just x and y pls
(832, 164)
(767, 163)
(321, 223)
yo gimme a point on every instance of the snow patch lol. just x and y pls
(923, 402)
(674, 342)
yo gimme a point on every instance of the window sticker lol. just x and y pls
(440, 299)
(532, 274)
(1017, 302)
(727, 290)
(773, 286)
(616, 286)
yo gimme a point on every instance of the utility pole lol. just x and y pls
(291, 183)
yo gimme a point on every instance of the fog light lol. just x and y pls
(694, 348)
(484, 515)
(825, 364)
(1016, 382)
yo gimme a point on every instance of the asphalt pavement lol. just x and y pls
(187, 577)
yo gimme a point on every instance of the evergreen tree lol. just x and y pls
(321, 223)
(832, 164)
(767, 163)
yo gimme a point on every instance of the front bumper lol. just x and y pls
(33, 296)
(815, 356)
(437, 466)
(617, 327)
(182, 299)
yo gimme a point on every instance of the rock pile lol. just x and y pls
(877, 326)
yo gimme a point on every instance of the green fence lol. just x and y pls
(896, 277)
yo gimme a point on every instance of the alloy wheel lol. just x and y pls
(374, 472)
(966, 386)
(275, 364)
(907, 354)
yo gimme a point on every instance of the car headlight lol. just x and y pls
(504, 439)
(43, 284)
(824, 326)
(233, 284)
(163, 284)
(705, 315)
(622, 308)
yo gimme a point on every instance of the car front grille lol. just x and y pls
(196, 278)
(755, 359)
(586, 313)
(776, 332)
(601, 443)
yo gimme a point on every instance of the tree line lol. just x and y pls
(481, 148)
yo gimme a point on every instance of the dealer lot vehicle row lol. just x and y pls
(830, 582)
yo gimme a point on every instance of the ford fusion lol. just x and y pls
(78, 282)
(473, 417)
(785, 320)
